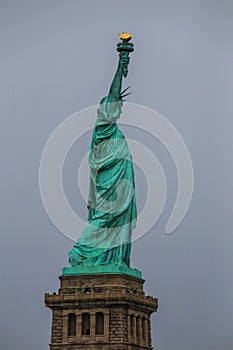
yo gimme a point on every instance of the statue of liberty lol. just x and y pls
(112, 213)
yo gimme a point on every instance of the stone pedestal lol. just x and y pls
(101, 311)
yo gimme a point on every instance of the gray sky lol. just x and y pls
(58, 57)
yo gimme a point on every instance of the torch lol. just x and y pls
(124, 48)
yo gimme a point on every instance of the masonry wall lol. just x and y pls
(123, 303)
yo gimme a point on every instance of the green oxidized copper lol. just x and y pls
(105, 243)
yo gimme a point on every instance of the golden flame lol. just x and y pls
(125, 36)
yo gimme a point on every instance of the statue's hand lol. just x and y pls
(124, 58)
(124, 62)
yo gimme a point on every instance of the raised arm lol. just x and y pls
(110, 106)
(115, 89)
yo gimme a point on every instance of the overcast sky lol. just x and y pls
(58, 57)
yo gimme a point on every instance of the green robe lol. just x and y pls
(112, 209)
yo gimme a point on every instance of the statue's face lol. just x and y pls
(120, 103)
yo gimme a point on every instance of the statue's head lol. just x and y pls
(110, 105)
